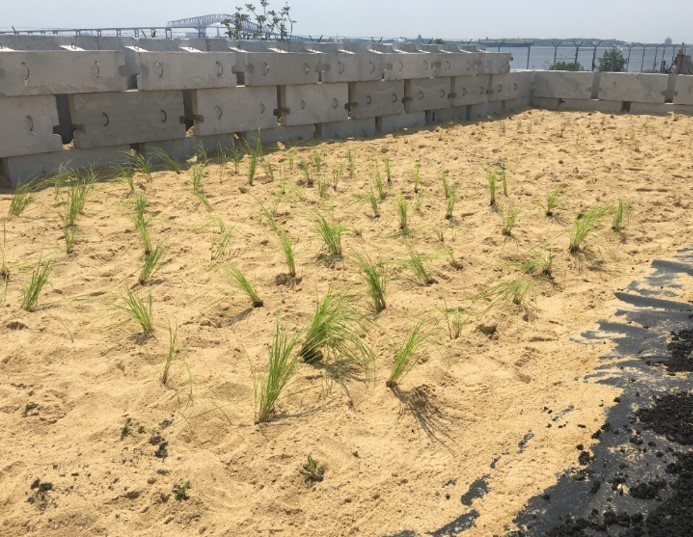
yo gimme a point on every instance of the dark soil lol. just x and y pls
(680, 348)
(671, 416)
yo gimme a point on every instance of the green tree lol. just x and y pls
(612, 60)
(267, 24)
(566, 66)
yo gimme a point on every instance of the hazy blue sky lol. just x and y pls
(630, 20)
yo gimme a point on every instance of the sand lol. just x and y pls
(509, 407)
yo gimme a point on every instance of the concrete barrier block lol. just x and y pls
(491, 63)
(470, 90)
(634, 87)
(683, 92)
(51, 72)
(546, 103)
(563, 84)
(455, 63)
(277, 68)
(454, 113)
(422, 94)
(314, 103)
(351, 128)
(486, 110)
(284, 134)
(184, 148)
(220, 111)
(510, 86)
(381, 98)
(385, 124)
(23, 168)
(103, 119)
(591, 105)
(513, 106)
(402, 65)
(348, 67)
(657, 109)
(182, 70)
(27, 125)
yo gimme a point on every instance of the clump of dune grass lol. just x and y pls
(288, 251)
(220, 241)
(141, 164)
(504, 180)
(388, 170)
(137, 310)
(337, 174)
(584, 224)
(373, 199)
(282, 366)
(552, 201)
(171, 354)
(4, 270)
(268, 213)
(323, 185)
(32, 290)
(378, 184)
(307, 172)
(331, 233)
(241, 282)
(450, 201)
(492, 181)
(407, 355)
(333, 333)
(351, 164)
(23, 197)
(141, 222)
(376, 280)
(540, 262)
(152, 263)
(416, 176)
(167, 159)
(452, 259)
(509, 218)
(197, 175)
(402, 213)
(416, 264)
(514, 292)
(455, 319)
(621, 214)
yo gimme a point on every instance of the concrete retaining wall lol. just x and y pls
(82, 101)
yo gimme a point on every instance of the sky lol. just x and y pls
(628, 20)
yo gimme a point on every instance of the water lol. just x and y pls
(541, 57)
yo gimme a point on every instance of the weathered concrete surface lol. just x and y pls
(401, 65)
(348, 67)
(422, 94)
(513, 85)
(221, 111)
(563, 84)
(277, 68)
(27, 125)
(22, 168)
(470, 90)
(661, 109)
(491, 63)
(181, 70)
(456, 63)
(284, 134)
(314, 103)
(454, 113)
(60, 71)
(386, 124)
(591, 105)
(683, 92)
(640, 87)
(381, 98)
(129, 117)
(184, 148)
(486, 110)
(352, 128)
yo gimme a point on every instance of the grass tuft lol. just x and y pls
(492, 180)
(541, 262)
(288, 250)
(32, 290)
(376, 280)
(584, 224)
(22, 198)
(407, 355)
(416, 264)
(509, 218)
(244, 285)
(512, 292)
(620, 215)
(152, 263)
(282, 365)
(331, 234)
(374, 204)
(172, 351)
(552, 201)
(167, 159)
(137, 310)
(402, 213)
(378, 184)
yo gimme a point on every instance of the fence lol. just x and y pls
(90, 101)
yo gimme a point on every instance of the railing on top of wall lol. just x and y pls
(79, 103)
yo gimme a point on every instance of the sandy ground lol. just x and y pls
(511, 407)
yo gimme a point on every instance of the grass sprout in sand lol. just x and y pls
(282, 365)
(32, 290)
(152, 263)
(137, 310)
(22, 198)
(552, 201)
(407, 355)
(373, 199)
(376, 279)
(620, 214)
(333, 333)
(492, 181)
(167, 159)
(584, 224)
(220, 243)
(541, 262)
(378, 184)
(402, 213)
(331, 234)
(455, 319)
(240, 281)
(172, 351)
(512, 292)
(141, 164)
(416, 264)
(509, 218)
(288, 250)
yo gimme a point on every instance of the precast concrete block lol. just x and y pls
(380, 98)
(23, 168)
(351, 128)
(658, 109)
(313, 103)
(591, 105)
(51, 72)
(181, 70)
(404, 65)
(492, 63)
(454, 113)
(470, 90)
(283, 134)
(510, 86)
(563, 84)
(385, 124)
(277, 68)
(222, 111)
(513, 106)
(128, 117)
(486, 110)
(634, 87)
(422, 94)
(546, 103)
(27, 125)
(683, 93)
(349, 67)
(455, 63)
(184, 148)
